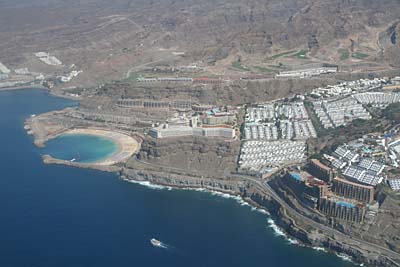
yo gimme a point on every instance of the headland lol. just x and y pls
(294, 106)
(126, 145)
(295, 156)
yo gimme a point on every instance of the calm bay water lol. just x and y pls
(54, 215)
(83, 148)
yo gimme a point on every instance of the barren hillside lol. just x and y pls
(107, 38)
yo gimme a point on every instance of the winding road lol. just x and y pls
(391, 255)
(265, 188)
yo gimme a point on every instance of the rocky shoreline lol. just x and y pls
(289, 223)
(250, 193)
(307, 231)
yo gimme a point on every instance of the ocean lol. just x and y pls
(84, 148)
(53, 215)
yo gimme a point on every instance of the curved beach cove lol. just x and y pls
(82, 148)
(56, 215)
(91, 146)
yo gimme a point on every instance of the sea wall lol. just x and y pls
(47, 159)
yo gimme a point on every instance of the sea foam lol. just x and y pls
(344, 257)
(149, 185)
(242, 202)
(212, 192)
(319, 249)
(279, 232)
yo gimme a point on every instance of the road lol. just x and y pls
(266, 188)
(138, 67)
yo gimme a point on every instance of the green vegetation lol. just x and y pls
(392, 112)
(375, 112)
(359, 55)
(238, 65)
(301, 54)
(282, 54)
(384, 191)
(329, 139)
(133, 77)
(360, 122)
(242, 135)
(280, 66)
(344, 54)
(203, 74)
(314, 119)
(263, 69)
(395, 171)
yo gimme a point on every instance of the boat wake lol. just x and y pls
(159, 244)
(277, 231)
(164, 246)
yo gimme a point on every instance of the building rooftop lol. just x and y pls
(320, 165)
(394, 184)
(352, 183)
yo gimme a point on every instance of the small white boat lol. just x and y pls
(156, 243)
(72, 160)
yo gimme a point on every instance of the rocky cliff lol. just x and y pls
(292, 225)
(210, 157)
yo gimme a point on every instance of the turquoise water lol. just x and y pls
(59, 216)
(84, 148)
(346, 204)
